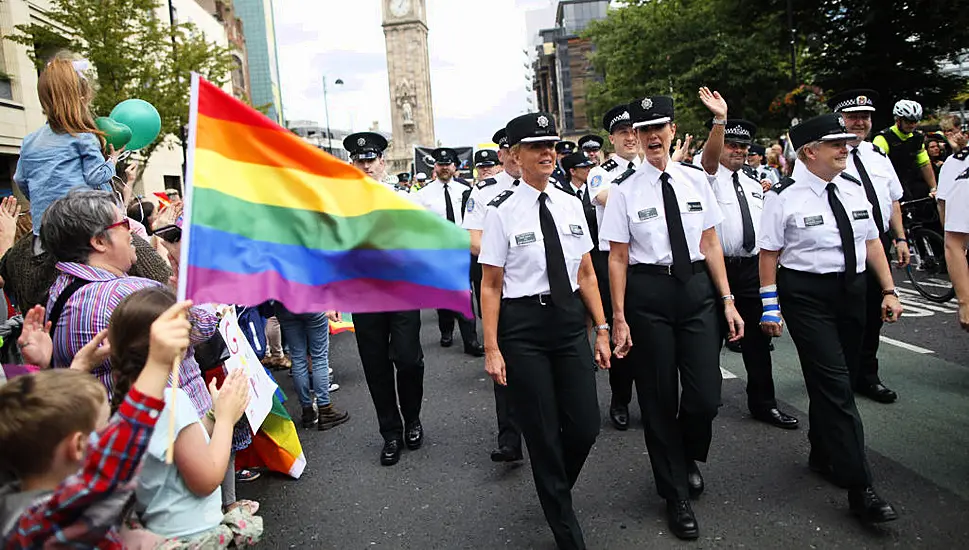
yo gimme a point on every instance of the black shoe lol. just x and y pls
(694, 479)
(770, 346)
(414, 436)
(390, 454)
(310, 417)
(878, 392)
(474, 349)
(871, 508)
(776, 418)
(330, 417)
(447, 341)
(506, 454)
(681, 519)
(734, 346)
(619, 414)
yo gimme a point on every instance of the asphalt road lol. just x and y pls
(759, 492)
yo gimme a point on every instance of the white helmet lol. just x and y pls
(908, 109)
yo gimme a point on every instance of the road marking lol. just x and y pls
(727, 375)
(940, 308)
(903, 345)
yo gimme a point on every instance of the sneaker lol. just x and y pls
(244, 476)
(310, 417)
(334, 387)
(330, 417)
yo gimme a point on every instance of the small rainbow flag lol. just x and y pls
(269, 216)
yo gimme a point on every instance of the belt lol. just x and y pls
(540, 299)
(654, 269)
(740, 260)
(836, 276)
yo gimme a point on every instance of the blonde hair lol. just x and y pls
(65, 97)
(802, 155)
(773, 159)
(39, 410)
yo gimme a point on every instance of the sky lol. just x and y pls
(478, 66)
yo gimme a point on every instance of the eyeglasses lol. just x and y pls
(123, 223)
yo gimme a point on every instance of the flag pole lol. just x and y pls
(193, 112)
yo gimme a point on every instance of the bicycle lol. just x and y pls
(927, 269)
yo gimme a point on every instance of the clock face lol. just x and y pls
(399, 8)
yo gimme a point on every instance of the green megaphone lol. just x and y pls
(116, 134)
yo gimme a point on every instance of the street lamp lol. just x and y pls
(326, 108)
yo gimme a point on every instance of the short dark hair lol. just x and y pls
(70, 223)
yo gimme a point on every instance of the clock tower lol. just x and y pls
(409, 74)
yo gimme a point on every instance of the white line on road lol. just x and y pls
(727, 375)
(941, 308)
(903, 345)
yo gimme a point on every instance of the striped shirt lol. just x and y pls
(88, 311)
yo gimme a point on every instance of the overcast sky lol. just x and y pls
(478, 73)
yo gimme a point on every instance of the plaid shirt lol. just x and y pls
(86, 509)
(88, 311)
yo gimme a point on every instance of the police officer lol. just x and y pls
(562, 150)
(591, 145)
(623, 161)
(741, 199)
(666, 274)
(486, 164)
(389, 342)
(538, 289)
(954, 203)
(403, 182)
(577, 167)
(766, 175)
(817, 235)
(509, 434)
(869, 165)
(443, 196)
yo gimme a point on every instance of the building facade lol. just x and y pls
(258, 26)
(224, 12)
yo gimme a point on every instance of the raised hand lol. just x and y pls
(34, 342)
(714, 101)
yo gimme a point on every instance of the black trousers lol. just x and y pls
(393, 363)
(864, 372)
(744, 277)
(468, 327)
(476, 274)
(826, 318)
(676, 342)
(620, 372)
(551, 381)
(509, 432)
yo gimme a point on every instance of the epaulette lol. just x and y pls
(964, 175)
(878, 150)
(502, 197)
(609, 165)
(624, 176)
(485, 183)
(782, 185)
(463, 181)
(850, 178)
(691, 165)
(749, 170)
(963, 154)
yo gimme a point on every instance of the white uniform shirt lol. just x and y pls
(635, 213)
(513, 240)
(954, 190)
(799, 222)
(731, 229)
(883, 178)
(474, 212)
(601, 179)
(432, 198)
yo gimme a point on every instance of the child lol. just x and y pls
(46, 420)
(182, 501)
(67, 151)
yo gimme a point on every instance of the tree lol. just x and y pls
(134, 53)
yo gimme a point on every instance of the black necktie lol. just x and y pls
(844, 229)
(584, 197)
(558, 275)
(876, 208)
(682, 268)
(448, 206)
(749, 238)
(631, 166)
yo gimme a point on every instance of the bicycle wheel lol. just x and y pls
(927, 270)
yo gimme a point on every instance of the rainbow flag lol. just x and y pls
(269, 216)
(275, 446)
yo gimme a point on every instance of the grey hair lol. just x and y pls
(70, 223)
(801, 155)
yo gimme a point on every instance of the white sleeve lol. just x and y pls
(599, 181)
(494, 242)
(713, 215)
(957, 208)
(578, 212)
(772, 223)
(615, 225)
(474, 212)
(895, 190)
(946, 179)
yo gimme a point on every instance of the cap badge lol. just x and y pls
(647, 103)
(542, 121)
(361, 142)
(861, 100)
(841, 121)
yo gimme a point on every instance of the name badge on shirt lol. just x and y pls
(859, 214)
(647, 214)
(525, 238)
(576, 229)
(812, 221)
(694, 207)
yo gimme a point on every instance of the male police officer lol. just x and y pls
(562, 150)
(389, 341)
(486, 164)
(591, 145)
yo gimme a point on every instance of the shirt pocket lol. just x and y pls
(817, 230)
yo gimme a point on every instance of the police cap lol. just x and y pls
(485, 157)
(591, 141)
(576, 160)
(565, 147)
(616, 118)
(850, 101)
(445, 156)
(531, 128)
(829, 127)
(500, 138)
(365, 145)
(651, 110)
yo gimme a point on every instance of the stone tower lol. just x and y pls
(409, 72)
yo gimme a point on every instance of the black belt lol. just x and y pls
(740, 260)
(653, 269)
(836, 276)
(540, 299)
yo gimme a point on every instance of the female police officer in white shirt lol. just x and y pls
(818, 225)
(660, 223)
(538, 287)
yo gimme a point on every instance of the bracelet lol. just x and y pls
(728, 298)
(602, 327)
(721, 122)
(210, 414)
(901, 240)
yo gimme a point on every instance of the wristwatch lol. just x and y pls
(721, 122)
(891, 292)
(603, 326)
(901, 240)
(728, 298)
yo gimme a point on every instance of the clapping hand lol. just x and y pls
(34, 342)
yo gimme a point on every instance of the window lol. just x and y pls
(174, 183)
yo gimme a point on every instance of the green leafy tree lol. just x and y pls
(135, 52)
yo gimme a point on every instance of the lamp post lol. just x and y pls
(326, 108)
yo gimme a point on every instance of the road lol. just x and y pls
(759, 492)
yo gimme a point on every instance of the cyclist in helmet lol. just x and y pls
(905, 147)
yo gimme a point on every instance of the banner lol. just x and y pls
(424, 160)
(241, 356)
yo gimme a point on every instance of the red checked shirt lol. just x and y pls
(86, 509)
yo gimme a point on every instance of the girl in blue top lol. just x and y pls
(67, 152)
